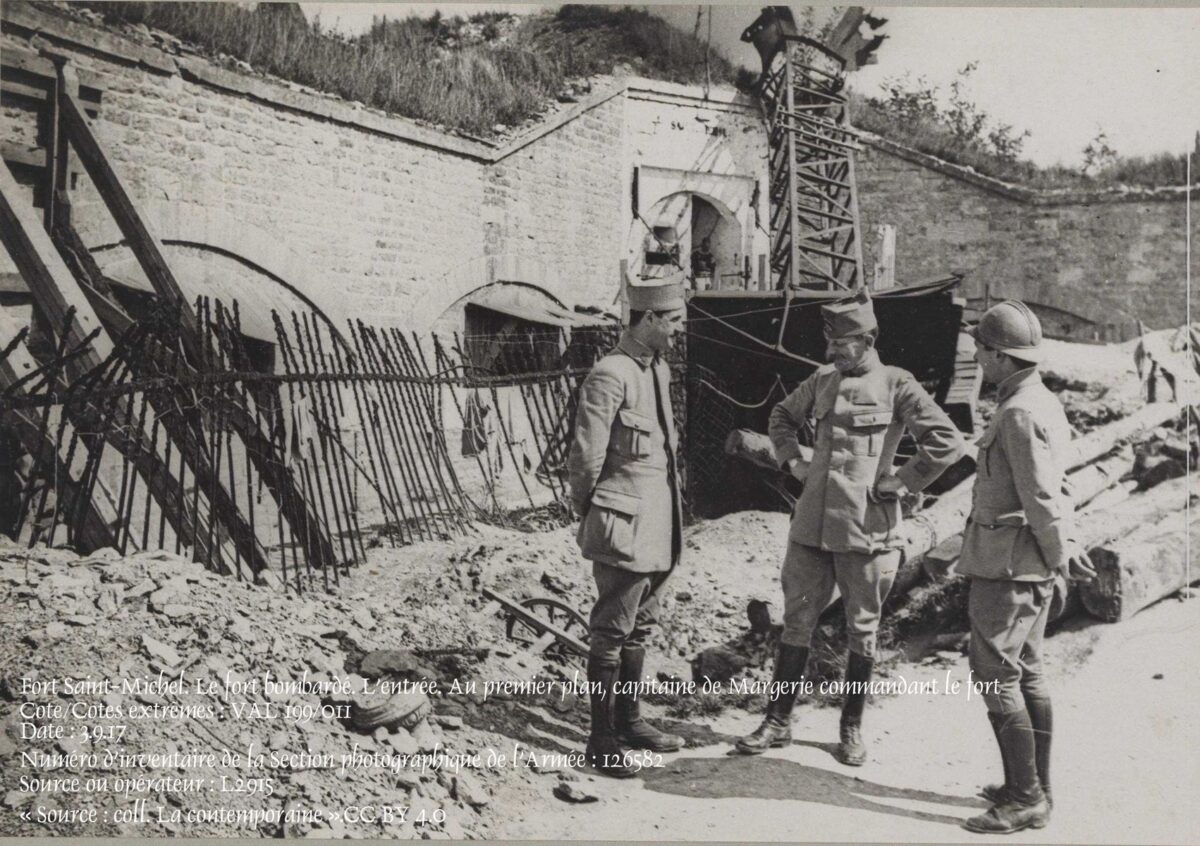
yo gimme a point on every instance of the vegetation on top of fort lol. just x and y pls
(469, 74)
(957, 130)
(497, 70)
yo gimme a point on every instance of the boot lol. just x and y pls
(632, 730)
(1024, 804)
(776, 729)
(997, 794)
(1042, 719)
(851, 750)
(604, 753)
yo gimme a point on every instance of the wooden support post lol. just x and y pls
(56, 291)
(100, 513)
(145, 246)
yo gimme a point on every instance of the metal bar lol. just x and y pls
(389, 476)
(318, 411)
(390, 421)
(345, 479)
(384, 503)
(439, 456)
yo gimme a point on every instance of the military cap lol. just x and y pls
(663, 294)
(849, 317)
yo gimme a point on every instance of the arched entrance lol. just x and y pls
(694, 231)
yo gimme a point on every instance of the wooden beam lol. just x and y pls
(138, 235)
(49, 280)
(23, 154)
(100, 513)
(146, 247)
(55, 291)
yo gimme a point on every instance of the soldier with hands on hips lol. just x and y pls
(845, 533)
(625, 486)
(1017, 541)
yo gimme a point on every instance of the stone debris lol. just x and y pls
(411, 615)
(570, 793)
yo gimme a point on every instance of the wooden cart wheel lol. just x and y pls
(561, 616)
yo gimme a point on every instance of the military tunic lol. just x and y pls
(625, 486)
(622, 463)
(860, 417)
(842, 536)
(1020, 516)
(1016, 540)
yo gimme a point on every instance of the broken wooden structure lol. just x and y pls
(160, 429)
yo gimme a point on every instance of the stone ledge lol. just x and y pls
(273, 93)
(1030, 196)
(32, 21)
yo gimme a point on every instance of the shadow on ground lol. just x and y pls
(739, 776)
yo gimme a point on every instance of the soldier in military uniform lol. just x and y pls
(845, 533)
(625, 487)
(1017, 541)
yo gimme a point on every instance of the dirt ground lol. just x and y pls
(1125, 769)
(1124, 765)
(1124, 760)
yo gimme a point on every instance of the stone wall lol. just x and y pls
(369, 215)
(360, 213)
(1105, 259)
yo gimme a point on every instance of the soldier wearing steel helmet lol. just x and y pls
(1017, 541)
(625, 486)
(845, 534)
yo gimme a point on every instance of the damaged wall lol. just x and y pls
(367, 214)
(1109, 257)
(361, 213)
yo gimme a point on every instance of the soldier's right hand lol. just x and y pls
(1079, 566)
(798, 467)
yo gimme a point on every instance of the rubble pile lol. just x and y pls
(412, 613)
(408, 631)
(155, 616)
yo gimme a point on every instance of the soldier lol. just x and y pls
(625, 487)
(845, 533)
(1017, 541)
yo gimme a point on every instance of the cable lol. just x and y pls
(778, 383)
(777, 348)
(773, 357)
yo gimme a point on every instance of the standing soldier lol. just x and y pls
(1016, 542)
(845, 534)
(625, 487)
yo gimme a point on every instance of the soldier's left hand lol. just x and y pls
(1079, 566)
(889, 487)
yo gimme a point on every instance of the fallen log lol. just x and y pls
(1098, 524)
(940, 522)
(1091, 446)
(1142, 568)
(1088, 482)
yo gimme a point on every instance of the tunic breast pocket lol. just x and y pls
(633, 433)
(867, 428)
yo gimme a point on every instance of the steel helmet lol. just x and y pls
(1012, 328)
